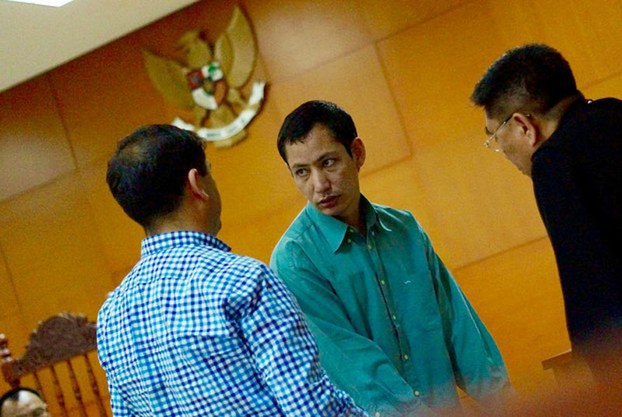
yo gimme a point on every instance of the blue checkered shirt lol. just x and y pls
(195, 330)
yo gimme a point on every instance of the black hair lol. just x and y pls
(299, 123)
(533, 77)
(147, 173)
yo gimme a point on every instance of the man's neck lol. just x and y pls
(177, 224)
(357, 218)
(550, 121)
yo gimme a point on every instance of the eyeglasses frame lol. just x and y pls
(493, 135)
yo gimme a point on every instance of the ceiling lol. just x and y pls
(35, 39)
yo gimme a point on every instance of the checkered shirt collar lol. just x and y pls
(157, 243)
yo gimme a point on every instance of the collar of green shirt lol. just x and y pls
(335, 230)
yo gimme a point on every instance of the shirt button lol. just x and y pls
(349, 240)
(382, 282)
(405, 358)
(394, 317)
(417, 393)
(369, 247)
(377, 415)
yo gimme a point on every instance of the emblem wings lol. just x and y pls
(235, 50)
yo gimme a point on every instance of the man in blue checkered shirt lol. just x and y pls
(194, 330)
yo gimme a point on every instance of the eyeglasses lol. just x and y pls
(492, 142)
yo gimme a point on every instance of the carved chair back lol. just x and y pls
(59, 350)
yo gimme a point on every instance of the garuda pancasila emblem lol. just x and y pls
(208, 84)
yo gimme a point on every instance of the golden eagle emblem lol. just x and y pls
(208, 84)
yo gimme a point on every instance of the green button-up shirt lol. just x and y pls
(394, 329)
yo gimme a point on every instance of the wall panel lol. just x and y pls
(599, 24)
(10, 306)
(119, 236)
(518, 296)
(483, 205)
(384, 18)
(258, 237)
(33, 146)
(300, 35)
(405, 190)
(589, 34)
(103, 96)
(611, 87)
(53, 251)
(432, 77)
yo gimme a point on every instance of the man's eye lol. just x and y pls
(329, 162)
(301, 172)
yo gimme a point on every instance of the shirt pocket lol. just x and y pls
(415, 299)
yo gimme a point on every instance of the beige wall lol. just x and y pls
(403, 69)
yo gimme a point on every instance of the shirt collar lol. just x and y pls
(160, 242)
(335, 230)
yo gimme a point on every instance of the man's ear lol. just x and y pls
(529, 127)
(358, 152)
(195, 185)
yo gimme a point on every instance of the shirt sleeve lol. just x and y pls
(117, 403)
(286, 354)
(589, 270)
(478, 366)
(355, 363)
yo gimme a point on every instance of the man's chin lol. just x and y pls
(216, 228)
(525, 171)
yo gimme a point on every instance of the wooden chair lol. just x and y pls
(57, 349)
(569, 371)
(574, 383)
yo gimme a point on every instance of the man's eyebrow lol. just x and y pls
(294, 166)
(325, 155)
(329, 154)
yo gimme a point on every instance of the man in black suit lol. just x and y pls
(571, 147)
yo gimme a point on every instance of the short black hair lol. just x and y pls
(147, 173)
(299, 123)
(13, 395)
(533, 77)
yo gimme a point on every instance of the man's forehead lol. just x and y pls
(26, 399)
(300, 154)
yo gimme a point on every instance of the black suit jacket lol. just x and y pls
(577, 178)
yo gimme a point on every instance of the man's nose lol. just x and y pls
(320, 181)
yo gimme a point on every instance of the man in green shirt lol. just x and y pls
(394, 329)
